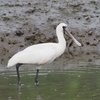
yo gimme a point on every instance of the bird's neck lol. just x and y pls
(61, 39)
(61, 45)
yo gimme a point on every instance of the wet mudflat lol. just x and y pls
(76, 83)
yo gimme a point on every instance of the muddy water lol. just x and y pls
(77, 83)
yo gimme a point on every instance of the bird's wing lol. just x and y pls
(38, 54)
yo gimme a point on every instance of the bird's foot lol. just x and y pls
(37, 83)
(19, 83)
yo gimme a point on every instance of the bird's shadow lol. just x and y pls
(69, 52)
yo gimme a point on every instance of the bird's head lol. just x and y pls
(64, 28)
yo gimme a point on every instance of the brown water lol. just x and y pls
(75, 83)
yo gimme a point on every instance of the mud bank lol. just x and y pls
(24, 23)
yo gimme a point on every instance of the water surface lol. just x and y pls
(77, 83)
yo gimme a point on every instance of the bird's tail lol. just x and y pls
(10, 64)
(13, 60)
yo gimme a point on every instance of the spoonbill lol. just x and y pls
(42, 53)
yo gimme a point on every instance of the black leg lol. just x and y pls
(18, 75)
(36, 77)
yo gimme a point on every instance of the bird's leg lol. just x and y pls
(18, 75)
(36, 77)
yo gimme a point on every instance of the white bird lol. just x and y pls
(42, 53)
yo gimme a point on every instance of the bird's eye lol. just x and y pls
(64, 27)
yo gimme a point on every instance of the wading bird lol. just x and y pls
(42, 53)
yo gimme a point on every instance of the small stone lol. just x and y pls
(90, 32)
(19, 33)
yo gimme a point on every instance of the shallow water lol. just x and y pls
(76, 83)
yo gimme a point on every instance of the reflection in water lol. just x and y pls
(19, 87)
(38, 97)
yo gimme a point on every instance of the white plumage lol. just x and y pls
(37, 54)
(45, 52)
